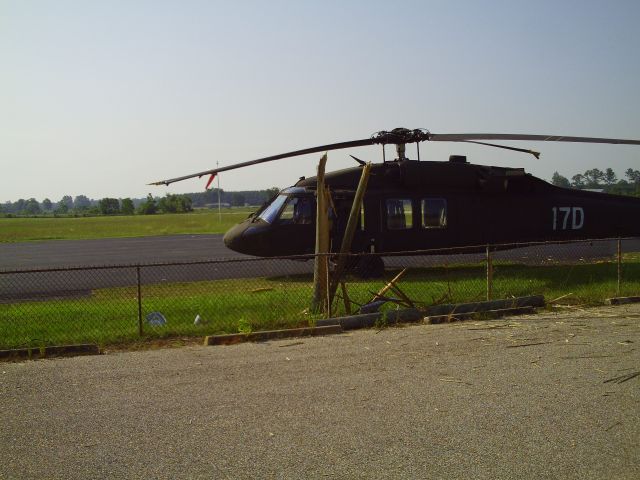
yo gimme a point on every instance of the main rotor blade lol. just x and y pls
(461, 137)
(402, 136)
(295, 153)
(522, 150)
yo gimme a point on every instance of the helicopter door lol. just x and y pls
(294, 231)
(434, 223)
(338, 219)
(399, 226)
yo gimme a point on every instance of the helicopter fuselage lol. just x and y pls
(426, 205)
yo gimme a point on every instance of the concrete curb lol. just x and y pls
(490, 314)
(368, 320)
(621, 300)
(484, 306)
(235, 338)
(50, 352)
(435, 314)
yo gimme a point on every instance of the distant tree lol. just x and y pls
(81, 203)
(175, 204)
(610, 177)
(213, 195)
(67, 200)
(185, 204)
(593, 178)
(560, 181)
(166, 204)
(126, 206)
(109, 206)
(19, 206)
(148, 207)
(64, 205)
(577, 181)
(238, 199)
(47, 205)
(633, 176)
(32, 207)
(272, 192)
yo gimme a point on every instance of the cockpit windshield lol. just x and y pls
(270, 213)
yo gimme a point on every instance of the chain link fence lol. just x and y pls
(124, 303)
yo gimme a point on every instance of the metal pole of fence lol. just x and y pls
(619, 266)
(327, 285)
(489, 273)
(140, 332)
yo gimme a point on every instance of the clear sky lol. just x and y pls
(101, 98)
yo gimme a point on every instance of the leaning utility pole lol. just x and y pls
(349, 232)
(321, 261)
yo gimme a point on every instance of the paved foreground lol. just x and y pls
(526, 397)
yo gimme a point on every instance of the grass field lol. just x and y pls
(110, 316)
(75, 228)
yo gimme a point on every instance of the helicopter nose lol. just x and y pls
(246, 238)
(233, 238)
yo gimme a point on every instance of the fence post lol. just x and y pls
(619, 267)
(140, 332)
(489, 273)
(327, 285)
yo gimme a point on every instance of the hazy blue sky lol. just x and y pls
(100, 98)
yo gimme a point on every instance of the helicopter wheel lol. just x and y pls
(369, 267)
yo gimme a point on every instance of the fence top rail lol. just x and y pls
(435, 251)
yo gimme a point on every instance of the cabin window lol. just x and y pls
(399, 213)
(434, 213)
(298, 210)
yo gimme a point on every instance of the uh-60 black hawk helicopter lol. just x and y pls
(412, 205)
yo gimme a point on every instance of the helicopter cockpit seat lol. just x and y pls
(303, 211)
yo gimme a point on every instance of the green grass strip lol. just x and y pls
(77, 228)
(110, 316)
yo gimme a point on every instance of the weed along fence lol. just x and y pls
(124, 303)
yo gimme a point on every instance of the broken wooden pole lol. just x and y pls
(388, 286)
(346, 299)
(350, 230)
(320, 268)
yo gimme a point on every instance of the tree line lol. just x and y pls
(81, 205)
(606, 180)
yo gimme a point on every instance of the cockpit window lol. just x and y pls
(270, 214)
(298, 210)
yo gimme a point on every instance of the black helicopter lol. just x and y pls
(413, 205)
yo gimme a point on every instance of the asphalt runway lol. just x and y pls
(188, 248)
(63, 254)
(113, 251)
(550, 396)
(103, 264)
